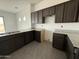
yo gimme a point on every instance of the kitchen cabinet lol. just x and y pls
(70, 11)
(48, 11)
(59, 13)
(78, 14)
(64, 13)
(51, 10)
(34, 18)
(18, 40)
(37, 18)
(58, 41)
(41, 19)
(62, 42)
(28, 37)
(67, 12)
(11, 43)
(37, 36)
(69, 48)
(7, 46)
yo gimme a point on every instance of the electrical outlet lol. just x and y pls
(61, 26)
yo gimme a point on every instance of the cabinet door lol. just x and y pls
(46, 12)
(19, 42)
(31, 36)
(32, 18)
(52, 11)
(36, 18)
(28, 37)
(6, 46)
(69, 49)
(38, 36)
(40, 17)
(78, 14)
(58, 41)
(59, 13)
(70, 11)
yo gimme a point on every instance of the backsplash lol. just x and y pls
(51, 25)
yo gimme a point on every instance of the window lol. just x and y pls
(2, 27)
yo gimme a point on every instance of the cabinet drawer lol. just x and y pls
(57, 35)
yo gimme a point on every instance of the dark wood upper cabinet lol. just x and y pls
(70, 11)
(67, 12)
(32, 17)
(49, 11)
(36, 17)
(64, 13)
(78, 14)
(59, 13)
(46, 12)
(52, 11)
(40, 17)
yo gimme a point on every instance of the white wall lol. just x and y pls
(47, 3)
(22, 25)
(9, 20)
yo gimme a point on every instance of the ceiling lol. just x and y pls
(15, 5)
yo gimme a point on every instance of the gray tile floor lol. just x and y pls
(37, 50)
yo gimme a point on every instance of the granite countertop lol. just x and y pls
(18, 31)
(73, 36)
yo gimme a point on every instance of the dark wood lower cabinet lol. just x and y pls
(69, 48)
(28, 37)
(19, 42)
(62, 42)
(11, 43)
(37, 36)
(6, 46)
(58, 41)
